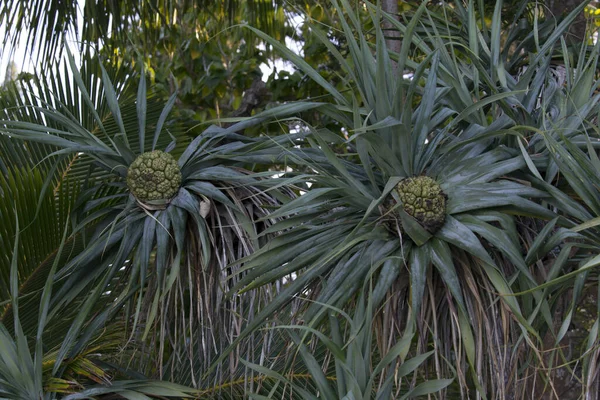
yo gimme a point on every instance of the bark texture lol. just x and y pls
(392, 34)
(560, 8)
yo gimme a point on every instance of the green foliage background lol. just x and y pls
(286, 265)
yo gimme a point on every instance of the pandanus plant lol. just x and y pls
(157, 218)
(426, 198)
(443, 161)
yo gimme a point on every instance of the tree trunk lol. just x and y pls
(561, 8)
(392, 34)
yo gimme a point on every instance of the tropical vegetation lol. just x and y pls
(410, 208)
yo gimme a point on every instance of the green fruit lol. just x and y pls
(423, 199)
(154, 176)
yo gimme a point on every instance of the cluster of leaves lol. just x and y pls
(198, 50)
(312, 279)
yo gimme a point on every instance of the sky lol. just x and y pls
(24, 62)
(22, 59)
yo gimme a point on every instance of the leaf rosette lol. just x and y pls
(158, 211)
(418, 195)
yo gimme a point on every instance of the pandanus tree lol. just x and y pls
(155, 233)
(430, 200)
(420, 241)
(421, 203)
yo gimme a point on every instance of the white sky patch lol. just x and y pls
(292, 44)
(22, 59)
(24, 63)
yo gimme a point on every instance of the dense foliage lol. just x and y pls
(368, 224)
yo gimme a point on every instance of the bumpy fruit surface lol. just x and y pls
(423, 199)
(154, 176)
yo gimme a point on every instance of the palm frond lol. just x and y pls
(45, 26)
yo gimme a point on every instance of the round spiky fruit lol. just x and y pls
(423, 199)
(154, 176)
